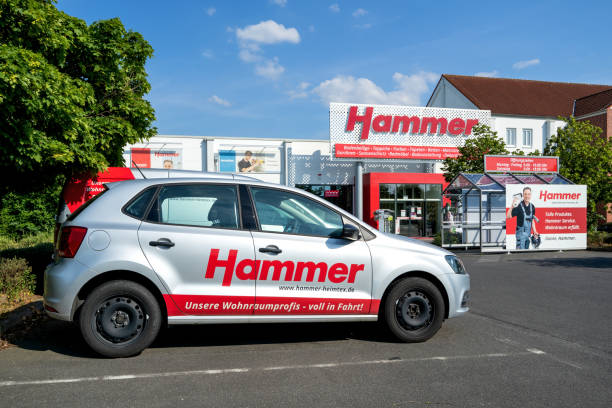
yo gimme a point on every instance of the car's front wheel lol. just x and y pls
(414, 310)
(120, 319)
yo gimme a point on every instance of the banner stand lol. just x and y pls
(509, 212)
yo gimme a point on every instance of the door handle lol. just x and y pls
(270, 249)
(162, 242)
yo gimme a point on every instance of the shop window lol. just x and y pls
(387, 191)
(511, 136)
(434, 191)
(527, 137)
(416, 208)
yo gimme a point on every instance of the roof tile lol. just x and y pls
(523, 97)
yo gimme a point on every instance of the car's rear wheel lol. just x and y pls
(414, 310)
(120, 319)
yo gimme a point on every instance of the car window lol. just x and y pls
(139, 205)
(199, 205)
(281, 211)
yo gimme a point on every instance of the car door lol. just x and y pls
(305, 267)
(194, 240)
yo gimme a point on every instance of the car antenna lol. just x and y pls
(138, 168)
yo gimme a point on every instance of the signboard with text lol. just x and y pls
(546, 216)
(249, 159)
(156, 158)
(521, 164)
(361, 132)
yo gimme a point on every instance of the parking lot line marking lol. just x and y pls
(529, 352)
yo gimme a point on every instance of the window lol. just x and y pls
(281, 211)
(527, 137)
(139, 205)
(511, 136)
(198, 205)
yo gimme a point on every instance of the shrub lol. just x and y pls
(36, 250)
(28, 213)
(598, 239)
(16, 278)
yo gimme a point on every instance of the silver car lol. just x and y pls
(230, 249)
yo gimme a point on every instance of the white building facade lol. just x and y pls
(527, 133)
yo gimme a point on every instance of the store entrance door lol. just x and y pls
(416, 208)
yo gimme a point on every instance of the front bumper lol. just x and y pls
(63, 280)
(458, 286)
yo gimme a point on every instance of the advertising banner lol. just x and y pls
(521, 164)
(546, 216)
(157, 158)
(361, 132)
(249, 159)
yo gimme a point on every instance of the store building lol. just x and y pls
(524, 113)
(383, 157)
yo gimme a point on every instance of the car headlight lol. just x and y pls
(456, 264)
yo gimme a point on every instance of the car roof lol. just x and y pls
(208, 179)
(165, 174)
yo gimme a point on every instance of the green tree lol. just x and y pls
(471, 154)
(71, 94)
(585, 158)
(71, 97)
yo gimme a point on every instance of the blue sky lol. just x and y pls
(269, 68)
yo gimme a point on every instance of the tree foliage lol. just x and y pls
(586, 158)
(71, 94)
(471, 154)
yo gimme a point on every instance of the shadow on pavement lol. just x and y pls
(65, 338)
(591, 262)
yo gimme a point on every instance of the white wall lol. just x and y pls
(447, 96)
(193, 150)
(542, 130)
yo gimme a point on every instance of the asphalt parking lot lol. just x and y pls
(538, 335)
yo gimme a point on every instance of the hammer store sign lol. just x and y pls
(359, 131)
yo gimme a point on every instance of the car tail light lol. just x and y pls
(70, 240)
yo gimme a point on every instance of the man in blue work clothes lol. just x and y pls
(525, 216)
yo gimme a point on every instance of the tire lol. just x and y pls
(120, 319)
(413, 310)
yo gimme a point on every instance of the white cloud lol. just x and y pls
(490, 74)
(281, 3)
(408, 89)
(208, 54)
(219, 101)
(210, 11)
(251, 38)
(268, 32)
(300, 92)
(270, 69)
(334, 8)
(248, 55)
(359, 12)
(311, 28)
(525, 64)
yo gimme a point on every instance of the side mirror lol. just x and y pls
(351, 232)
